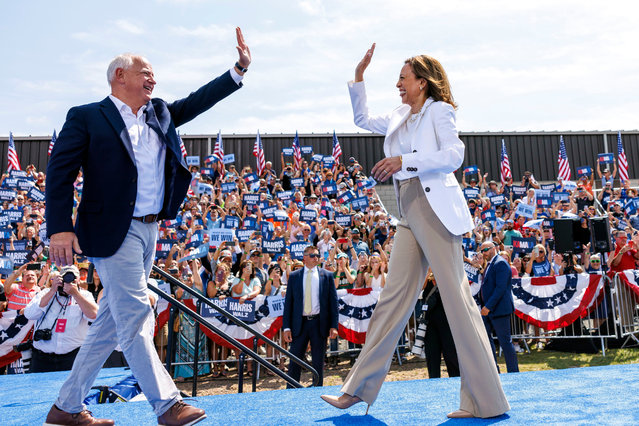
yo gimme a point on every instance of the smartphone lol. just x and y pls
(375, 242)
(34, 266)
(342, 240)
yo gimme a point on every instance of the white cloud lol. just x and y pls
(129, 27)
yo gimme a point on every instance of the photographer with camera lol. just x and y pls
(62, 314)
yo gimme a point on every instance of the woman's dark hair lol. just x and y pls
(243, 265)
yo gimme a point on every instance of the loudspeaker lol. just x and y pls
(600, 241)
(564, 231)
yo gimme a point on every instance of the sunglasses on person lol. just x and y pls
(313, 255)
(485, 249)
(595, 261)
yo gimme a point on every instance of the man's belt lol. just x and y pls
(149, 218)
(310, 317)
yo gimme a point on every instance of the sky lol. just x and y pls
(513, 65)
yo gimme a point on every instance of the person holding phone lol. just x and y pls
(422, 150)
(625, 255)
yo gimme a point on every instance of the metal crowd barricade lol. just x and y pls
(627, 311)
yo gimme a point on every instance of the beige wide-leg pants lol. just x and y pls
(422, 241)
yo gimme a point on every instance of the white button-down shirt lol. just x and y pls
(315, 300)
(150, 154)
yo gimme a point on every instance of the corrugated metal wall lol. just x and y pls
(536, 152)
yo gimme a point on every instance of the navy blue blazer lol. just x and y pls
(496, 288)
(294, 303)
(94, 138)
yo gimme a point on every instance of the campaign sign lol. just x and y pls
(195, 240)
(250, 199)
(277, 245)
(172, 223)
(35, 194)
(287, 151)
(308, 215)
(367, 183)
(10, 183)
(471, 170)
(523, 245)
(345, 197)
(547, 223)
(471, 193)
(328, 162)
(192, 160)
(544, 202)
(8, 194)
(6, 265)
(196, 253)
(19, 257)
(18, 173)
(243, 311)
(549, 187)
(228, 158)
(181, 235)
(560, 196)
(329, 188)
(607, 158)
(211, 159)
(204, 188)
(467, 244)
(231, 222)
(284, 195)
(488, 215)
(269, 211)
(275, 306)
(20, 244)
(542, 193)
(162, 248)
(14, 215)
(518, 191)
(584, 171)
(317, 158)
(249, 223)
(251, 178)
(297, 182)
(306, 149)
(525, 210)
(471, 272)
(631, 206)
(360, 203)
(343, 219)
(266, 228)
(280, 216)
(219, 235)
(498, 200)
(297, 249)
(25, 184)
(570, 185)
(228, 187)
(5, 233)
(244, 235)
(315, 180)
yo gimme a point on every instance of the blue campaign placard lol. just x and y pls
(14, 215)
(471, 272)
(204, 188)
(5, 233)
(631, 206)
(345, 197)
(10, 182)
(251, 178)
(207, 171)
(549, 187)
(329, 188)
(606, 158)
(498, 200)
(269, 212)
(317, 158)
(195, 240)
(14, 173)
(343, 219)
(360, 203)
(367, 183)
(6, 265)
(231, 222)
(196, 253)
(287, 151)
(584, 171)
(284, 195)
(162, 248)
(266, 227)
(249, 223)
(471, 193)
(19, 257)
(35, 194)
(297, 249)
(192, 160)
(547, 223)
(211, 159)
(518, 191)
(229, 158)
(488, 215)
(297, 182)
(525, 210)
(544, 202)
(219, 235)
(470, 170)
(307, 149)
(274, 246)
(244, 235)
(308, 215)
(228, 187)
(25, 184)
(8, 194)
(328, 162)
(280, 216)
(523, 245)
(560, 196)
(250, 199)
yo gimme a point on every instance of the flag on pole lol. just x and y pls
(53, 138)
(505, 164)
(297, 152)
(564, 166)
(623, 161)
(258, 152)
(219, 149)
(12, 155)
(337, 151)
(182, 147)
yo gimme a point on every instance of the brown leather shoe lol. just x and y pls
(181, 414)
(59, 417)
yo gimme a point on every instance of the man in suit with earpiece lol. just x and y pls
(310, 312)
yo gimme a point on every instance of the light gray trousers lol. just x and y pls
(422, 241)
(123, 310)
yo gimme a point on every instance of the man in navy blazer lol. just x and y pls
(134, 175)
(310, 312)
(497, 303)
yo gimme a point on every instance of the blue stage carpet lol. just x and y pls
(594, 395)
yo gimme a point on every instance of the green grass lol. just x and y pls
(551, 360)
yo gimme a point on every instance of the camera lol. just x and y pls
(418, 346)
(69, 274)
(42, 334)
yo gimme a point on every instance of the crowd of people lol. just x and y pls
(295, 205)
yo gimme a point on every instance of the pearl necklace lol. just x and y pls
(414, 117)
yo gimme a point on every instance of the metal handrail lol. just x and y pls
(245, 350)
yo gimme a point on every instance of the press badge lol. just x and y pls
(60, 325)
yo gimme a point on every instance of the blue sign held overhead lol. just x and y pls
(343, 219)
(525, 210)
(297, 182)
(523, 245)
(274, 246)
(308, 215)
(250, 199)
(329, 188)
(584, 171)
(251, 178)
(229, 158)
(287, 151)
(317, 158)
(471, 193)
(360, 203)
(193, 160)
(470, 170)
(231, 222)
(607, 158)
(297, 249)
(228, 187)
(306, 149)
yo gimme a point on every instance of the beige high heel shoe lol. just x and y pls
(343, 402)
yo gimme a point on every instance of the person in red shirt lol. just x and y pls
(625, 255)
(19, 295)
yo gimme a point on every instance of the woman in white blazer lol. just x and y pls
(422, 151)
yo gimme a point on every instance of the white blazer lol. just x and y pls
(436, 153)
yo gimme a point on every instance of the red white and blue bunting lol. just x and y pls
(355, 308)
(631, 279)
(555, 302)
(13, 329)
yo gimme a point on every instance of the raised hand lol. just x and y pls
(242, 49)
(363, 64)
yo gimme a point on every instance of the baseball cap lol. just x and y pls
(341, 255)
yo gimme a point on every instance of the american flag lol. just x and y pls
(337, 151)
(182, 147)
(297, 152)
(623, 161)
(258, 151)
(564, 166)
(219, 148)
(53, 138)
(505, 164)
(12, 155)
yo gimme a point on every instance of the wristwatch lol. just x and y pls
(240, 67)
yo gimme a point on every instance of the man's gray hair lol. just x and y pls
(124, 61)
